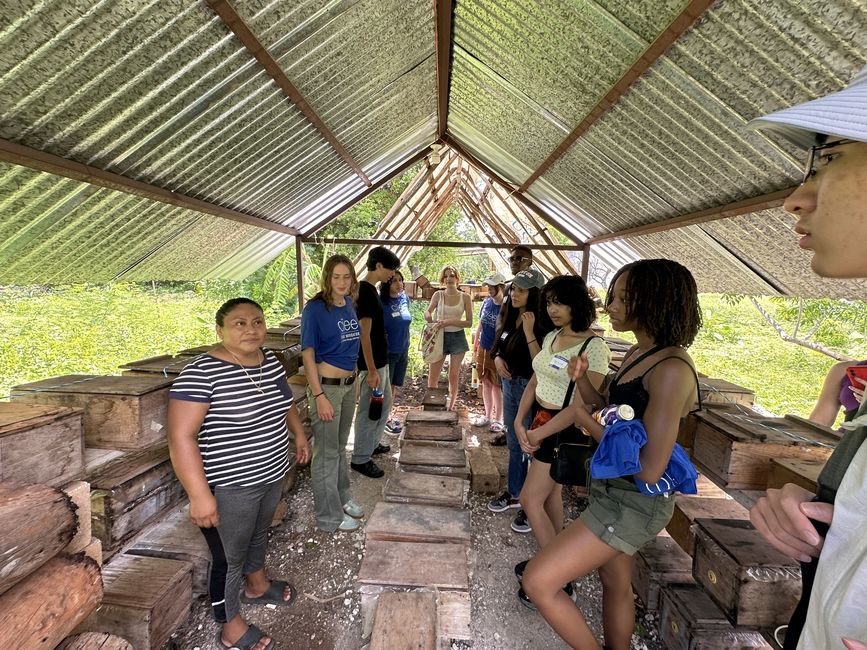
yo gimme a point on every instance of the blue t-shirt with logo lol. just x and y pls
(333, 333)
(488, 320)
(397, 321)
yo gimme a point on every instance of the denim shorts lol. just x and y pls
(397, 363)
(455, 342)
(623, 517)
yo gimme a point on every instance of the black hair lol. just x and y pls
(521, 248)
(229, 305)
(571, 291)
(381, 255)
(510, 314)
(662, 298)
(385, 288)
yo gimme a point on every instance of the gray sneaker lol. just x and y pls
(349, 523)
(353, 509)
(520, 523)
(503, 503)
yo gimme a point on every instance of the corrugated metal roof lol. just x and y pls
(166, 94)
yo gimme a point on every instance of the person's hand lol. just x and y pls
(528, 320)
(324, 410)
(373, 379)
(502, 368)
(523, 440)
(852, 644)
(537, 435)
(783, 516)
(203, 511)
(577, 367)
(858, 391)
(302, 450)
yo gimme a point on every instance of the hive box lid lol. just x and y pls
(18, 416)
(96, 384)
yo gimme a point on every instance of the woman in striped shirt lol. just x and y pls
(230, 412)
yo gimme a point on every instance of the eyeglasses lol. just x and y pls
(518, 258)
(814, 161)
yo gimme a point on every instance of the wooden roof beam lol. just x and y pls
(17, 154)
(691, 13)
(755, 204)
(443, 10)
(239, 28)
(445, 244)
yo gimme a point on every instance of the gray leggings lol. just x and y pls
(245, 515)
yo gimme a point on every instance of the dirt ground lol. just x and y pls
(324, 566)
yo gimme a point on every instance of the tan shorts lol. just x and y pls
(623, 517)
(485, 367)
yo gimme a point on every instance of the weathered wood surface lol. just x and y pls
(453, 618)
(409, 487)
(427, 431)
(79, 493)
(432, 456)
(129, 492)
(444, 566)
(736, 449)
(484, 473)
(754, 584)
(435, 399)
(39, 612)
(95, 641)
(289, 335)
(800, 471)
(40, 444)
(405, 621)
(688, 425)
(720, 391)
(166, 365)
(126, 412)
(432, 417)
(288, 354)
(399, 522)
(199, 349)
(688, 508)
(660, 563)
(175, 537)
(38, 522)
(146, 599)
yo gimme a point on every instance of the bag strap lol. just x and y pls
(694, 374)
(571, 388)
(633, 363)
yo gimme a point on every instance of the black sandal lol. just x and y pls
(247, 641)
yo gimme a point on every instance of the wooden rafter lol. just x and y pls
(443, 10)
(755, 204)
(239, 28)
(675, 30)
(445, 244)
(17, 154)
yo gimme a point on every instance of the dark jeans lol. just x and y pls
(513, 390)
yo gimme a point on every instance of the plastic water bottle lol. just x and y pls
(474, 378)
(374, 411)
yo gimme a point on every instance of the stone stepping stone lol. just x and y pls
(427, 431)
(411, 487)
(435, 399)
(405, 621)
(438, 456)
(402, 522)
(415, 564)
(432, 417)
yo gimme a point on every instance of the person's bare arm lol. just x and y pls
(324, 409)
(302, 446)
(184, 419)
(828, 405)
(367, 351)
(434, 301)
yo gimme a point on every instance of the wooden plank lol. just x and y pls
(432, 456)
(125, 412)
(800, 471)
(707, 488)
(405, 621)
(405, 487)
(79, 494)
(166, 365)
(657, 564)
(399, 522)
(145, 600)
(438, 470)
(444, 566)
(453, 619)
(689, 619)
(754, 584)
(441, 432)
(435, 399)
(40, 444)
(175, 537)
(95, 641)
(688, 508)
(484, 474)
(432, 417)
(720, 391)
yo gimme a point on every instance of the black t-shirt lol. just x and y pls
(513, 348)
(368, 306)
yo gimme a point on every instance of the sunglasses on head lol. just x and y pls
(518, 258)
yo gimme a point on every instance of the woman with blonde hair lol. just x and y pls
(452, 311)
(330, 340)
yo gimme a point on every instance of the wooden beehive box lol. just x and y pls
(129, 492)
(40, 444)
(659, 563)
(688, 508)
(166, 365)
(720, 391)
(199, 349)
(800, 471)
(145, 600)
(753, 583)
(292, 322)
(689, 424)
(689, 620)
(288, 354)
(119, 412)
(736, 448)
(435, 399)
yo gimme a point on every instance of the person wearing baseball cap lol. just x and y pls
(831, 210)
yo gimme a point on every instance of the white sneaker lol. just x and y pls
(349, 523)
(479, 421)
(353, 509)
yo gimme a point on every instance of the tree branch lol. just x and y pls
(792, 339)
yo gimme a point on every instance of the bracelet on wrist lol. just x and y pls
(319, 394)
(533, 341)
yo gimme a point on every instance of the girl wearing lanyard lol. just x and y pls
(395, 307)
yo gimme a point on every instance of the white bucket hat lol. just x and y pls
(842, 114)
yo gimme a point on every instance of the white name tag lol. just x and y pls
(504, 336)
(395, 314)
(559, 362)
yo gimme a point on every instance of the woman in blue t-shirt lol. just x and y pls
(395, 307)
(330, 340)
(483, 341)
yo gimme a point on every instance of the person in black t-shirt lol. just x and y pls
(372, 362)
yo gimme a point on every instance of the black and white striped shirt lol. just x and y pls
(244, 440)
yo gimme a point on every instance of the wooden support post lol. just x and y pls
(299, 271)
(585, 262)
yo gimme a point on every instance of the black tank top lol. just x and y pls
(633, 391)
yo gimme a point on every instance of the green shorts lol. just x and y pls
(623, 517)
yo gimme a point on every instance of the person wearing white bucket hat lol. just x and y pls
(831, 208)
